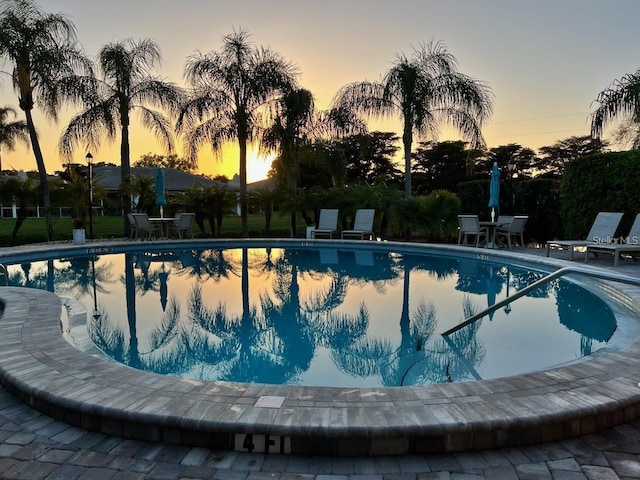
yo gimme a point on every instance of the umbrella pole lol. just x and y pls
(161, 212)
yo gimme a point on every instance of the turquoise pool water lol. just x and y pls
(319, 316)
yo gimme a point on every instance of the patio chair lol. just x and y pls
(602, 231)
(132, 226)
(182, 225)
(327, 223)
(469, 226)
(512, 230)
(362, 225)
(504, 220)
(144, 227)
(630, 244)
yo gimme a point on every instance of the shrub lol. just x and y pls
(435, 217)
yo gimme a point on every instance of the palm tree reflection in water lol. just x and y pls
(302, 310)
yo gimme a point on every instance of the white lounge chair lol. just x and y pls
(602, 231)
(327, 223)
(362, 226)
(469, 226)
(630, 244)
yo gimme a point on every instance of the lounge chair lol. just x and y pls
(513, 229)
(182, 225)
(630, 244)
(602, 231)
(327, 223)
(362, 226)
(469, 226)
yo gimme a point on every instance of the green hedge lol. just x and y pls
(607, 182)
(540, 199)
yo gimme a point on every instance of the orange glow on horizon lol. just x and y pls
(227, 163)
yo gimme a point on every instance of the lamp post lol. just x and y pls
(511, 167)
(89, 158)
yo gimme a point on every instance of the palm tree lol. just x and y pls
(296, 125)
(126, 85)
(424, 91)
(39, 48)
(230, 90)
(289, 131)
(621, 99)
(10, 132)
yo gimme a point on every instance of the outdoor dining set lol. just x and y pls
(508, 231)
(505, 230)
(147, 228)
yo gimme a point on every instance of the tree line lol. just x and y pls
(244, 93)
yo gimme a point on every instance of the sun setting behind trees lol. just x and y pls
(536, 104)
(545, 76)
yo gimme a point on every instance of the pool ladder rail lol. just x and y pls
(552, 276)
(4, 277)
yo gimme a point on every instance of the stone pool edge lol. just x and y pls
(43, 370)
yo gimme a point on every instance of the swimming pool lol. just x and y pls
(318, 315)
(42, 369)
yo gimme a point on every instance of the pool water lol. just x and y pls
(321, 316)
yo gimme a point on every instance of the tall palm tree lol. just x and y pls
(296, 124)
(290, 131)
(39, 48)
(621, 99)
(10, 132)
(231, 88)
(424, 91)
(126, 85)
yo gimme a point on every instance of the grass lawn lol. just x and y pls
(33, 229)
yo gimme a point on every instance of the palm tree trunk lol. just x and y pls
(125, 173)
(407, 140)
(294, 187)
(42, 171)
(244, 212)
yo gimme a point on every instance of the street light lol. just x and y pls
(89, 158)
(511, 167)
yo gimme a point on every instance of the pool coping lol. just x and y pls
(43, 370)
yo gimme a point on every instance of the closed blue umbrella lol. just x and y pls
(160, 198)
(494, 191)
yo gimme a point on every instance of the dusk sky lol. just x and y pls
(545, 61)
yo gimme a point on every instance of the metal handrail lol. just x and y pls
(538, 283)
(4, 277)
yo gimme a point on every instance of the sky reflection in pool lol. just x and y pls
(322, 317)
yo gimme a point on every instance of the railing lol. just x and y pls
(552, 276)
(4, 277)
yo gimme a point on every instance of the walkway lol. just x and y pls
(34, 446)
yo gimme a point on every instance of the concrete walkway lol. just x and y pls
(35, 446)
